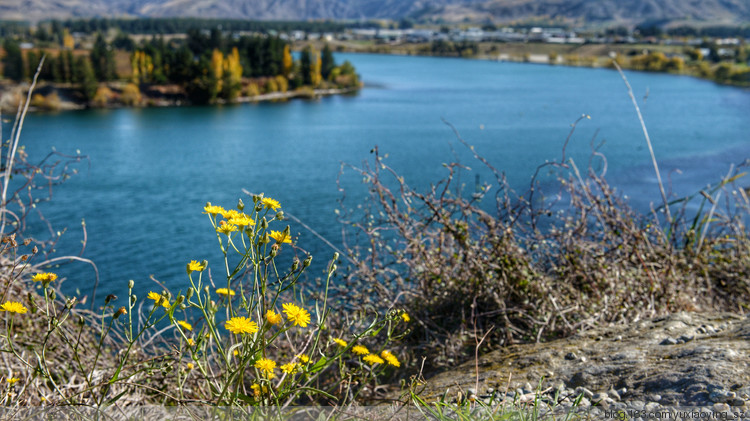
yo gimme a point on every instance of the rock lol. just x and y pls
(721, 407)
(685, 338)
(737, 402)
(698, 373)
(571, 356)
(721, 396)
(596, 397)
(651, 407)
(668, 341)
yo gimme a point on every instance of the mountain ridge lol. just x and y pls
(499, 11)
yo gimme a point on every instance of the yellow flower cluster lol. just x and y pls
(158, 299)
(13, 307)
(390, 358)
(185, 325)
(194, 266)
(299, 316)
(280, 237)
(239, 325)
(224, 291)
(340, 342)
(266, 367)
(269, 203)
(44, 277)
(360, 350)
(290, 368)
(273, 317)
(373, 359)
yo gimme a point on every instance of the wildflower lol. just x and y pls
(266, 367)
(224, 291)
(158, 299)
(242, 220)
(295, 314)
(304, 358)
(236, 353)
(229, 214)
(340, 342)
(44, 277)
(392, 360)
(185, 325)
(191, 342)
(241, 325)
(13, 380)
(212, 210)
(190, 366)
(120, 311)
(270, 203)
(226, 228)
(280, 237)
(360, 350)
(373, 359)
(13, 307)
(290, 368)
(405, 317)
(257, 389)
(194, 266)
(273, 317)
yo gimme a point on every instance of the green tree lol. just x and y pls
(327, 62)
(305, 60)
(86, 78)
(13, 67)
(103, 60)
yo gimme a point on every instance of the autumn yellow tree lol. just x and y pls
(288, 61)
(217, 69)
(315, 75)
(68, 40)
(142, 67)
(232, 75)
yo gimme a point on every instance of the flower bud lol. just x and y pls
(132, 299)
(335, 256)
(34, 250)
(110, 298)
(131, 284)
(206, 289)
(180, 299)
(120, 311)
(52, 295)
(265, 239)
(263, 223)
(295, 264)
(240, 205)
(280, 215)
(307, 262)
(274, 250)
(27, 241)
(189, 294)
(259, 207)
(256, 198)
(71, 302)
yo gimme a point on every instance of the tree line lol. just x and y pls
(209, 65)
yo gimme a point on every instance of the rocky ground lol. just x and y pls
(697, 363)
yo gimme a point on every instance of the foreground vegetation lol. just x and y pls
(431, 277)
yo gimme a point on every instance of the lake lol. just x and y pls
(152, 170)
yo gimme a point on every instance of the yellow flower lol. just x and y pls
(257, 388)
(242, 220)
(229, 214)
(280, 237)
(373, 359)
(340, 342)
(273, 317)
(158, 299)
(191, 342)
(236, 353)
(295, 314)
(360, 350)
(42, 277)
(212, 210)
(304, 358)
(224, 291)
(241, 325)
(290, 368)
(194, 266)
(392, 360)
(270, 203)
(266, 367)
(190, 366)
(405, 317)
(226, 228)
(13, 380)
(13, 307)
(185, 325)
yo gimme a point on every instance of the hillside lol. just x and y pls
(582, 11)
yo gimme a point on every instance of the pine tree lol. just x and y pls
(328, 63)
(306, 65)
(86, 78)
(13, 67)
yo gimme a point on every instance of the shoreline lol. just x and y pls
(11, 93)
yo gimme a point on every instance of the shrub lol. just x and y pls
(102, 97)
(131, 95)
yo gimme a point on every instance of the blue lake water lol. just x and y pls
(152, 170)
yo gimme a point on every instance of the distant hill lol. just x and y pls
(581, 11)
